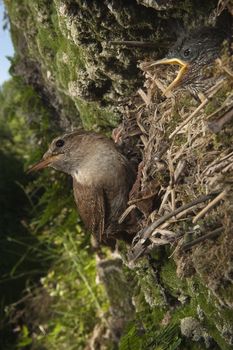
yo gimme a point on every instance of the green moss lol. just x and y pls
(94, 118)
(68, 62)
(153, 292)
(225, 293)
(60, 59)
(216, 318)
(170, 279)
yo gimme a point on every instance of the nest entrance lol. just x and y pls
(184, 181)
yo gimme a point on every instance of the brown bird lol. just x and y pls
(102, 179)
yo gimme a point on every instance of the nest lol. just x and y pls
(184, 182)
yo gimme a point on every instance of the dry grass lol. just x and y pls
(182, 159)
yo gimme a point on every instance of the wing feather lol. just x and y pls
(91, 207)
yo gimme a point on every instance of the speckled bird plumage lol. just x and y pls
(194, 52)
(198, 48)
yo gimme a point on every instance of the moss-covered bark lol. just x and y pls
(63, 50)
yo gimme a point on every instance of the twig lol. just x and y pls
(128, 43)
(126, 213)
(228, 103)
(213, 234)
(168, 191)
(193, 114)
(172, 181)
(217, 125)
(166, 232)
(215, 162)
(140, 246)
(173, 198)
(137, 200)
(226, 69)
(209, 206)
(144, 96)
(179, 169)
(168, 216)
(227, 167)
(179, 217)
(140, 125)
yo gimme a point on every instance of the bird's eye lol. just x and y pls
(60, 143)
(187, 52)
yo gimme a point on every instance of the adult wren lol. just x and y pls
(102, 179)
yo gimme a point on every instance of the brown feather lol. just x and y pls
(91, 207)
(102, 179)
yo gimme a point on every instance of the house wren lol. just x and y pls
(102, 179)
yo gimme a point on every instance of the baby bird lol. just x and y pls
(193, 52)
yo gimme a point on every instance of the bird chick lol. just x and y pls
(193, 52)
(102, 179)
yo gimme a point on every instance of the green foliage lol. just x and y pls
(166, 338)
(25, 338)
(50, 251)
(131, 340)
(19, 250)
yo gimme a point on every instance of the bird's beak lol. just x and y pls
(184, 66)
(43, 163)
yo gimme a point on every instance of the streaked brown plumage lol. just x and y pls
(102, 179)
(193, 52)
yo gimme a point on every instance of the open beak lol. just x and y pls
(43, 163)
(184, 66)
